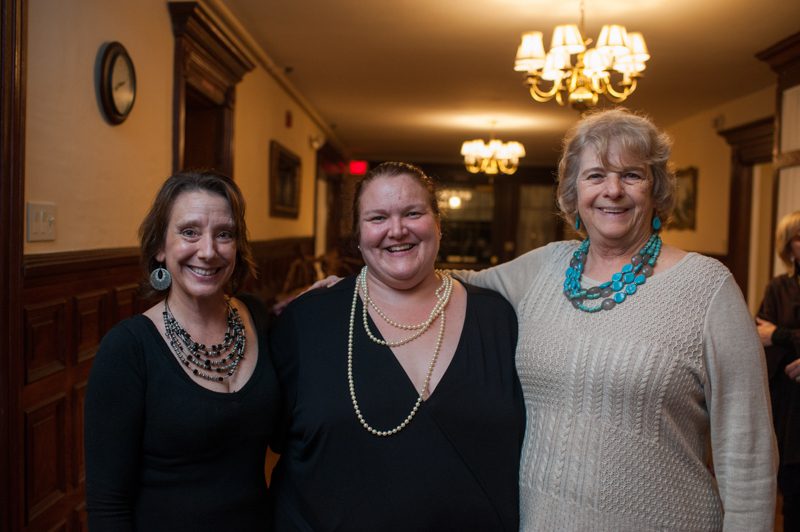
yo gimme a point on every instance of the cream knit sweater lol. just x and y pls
(621, 404)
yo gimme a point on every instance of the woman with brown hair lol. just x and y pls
(403, 405)
(182, 399)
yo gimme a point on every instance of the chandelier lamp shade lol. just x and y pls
(492, 157)
(573, 73)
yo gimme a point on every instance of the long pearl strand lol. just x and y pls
(442, 298)
(361, 282)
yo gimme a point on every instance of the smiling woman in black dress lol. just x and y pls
(176, 432)
(403, 404)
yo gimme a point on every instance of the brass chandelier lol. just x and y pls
(573, 73)
(492, 157)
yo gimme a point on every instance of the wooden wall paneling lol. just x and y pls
(273, 258)
(80, 522)
(125, 302)
(46, 456)
(78, 462)
(45, 331)
(13, 37)
(90, 322)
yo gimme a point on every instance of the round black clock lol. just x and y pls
(116, 82)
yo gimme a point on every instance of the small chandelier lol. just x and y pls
(492, 157)
(572, 72)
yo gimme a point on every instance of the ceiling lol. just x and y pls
(412, 79)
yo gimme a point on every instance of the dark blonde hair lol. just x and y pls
(638, 139)
(153, 231)
(788, 228)
(393, 169)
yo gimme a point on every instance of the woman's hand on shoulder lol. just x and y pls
(327, 282)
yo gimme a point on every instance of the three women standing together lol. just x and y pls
(400, 405)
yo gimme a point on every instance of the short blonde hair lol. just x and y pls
(637, 136)
(788, 228)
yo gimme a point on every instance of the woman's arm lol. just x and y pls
(511, 279)
(781, 343)
(113, 429)
(737, 397)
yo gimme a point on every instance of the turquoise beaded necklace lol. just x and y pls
(622, 284)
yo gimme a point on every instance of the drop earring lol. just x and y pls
(656, 223)
(160, 278)
(577, 222)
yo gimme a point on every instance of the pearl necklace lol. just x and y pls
(622, 284)
(207, 361)
(443, 297)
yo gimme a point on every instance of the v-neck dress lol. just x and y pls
(453, 467)
(164, 453)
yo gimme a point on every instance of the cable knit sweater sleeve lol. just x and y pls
(511, 279)
(737, 397)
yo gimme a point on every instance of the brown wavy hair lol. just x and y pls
(153, 231)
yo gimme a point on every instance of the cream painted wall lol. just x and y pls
(261, 107)
(102, 177)
(697, 143)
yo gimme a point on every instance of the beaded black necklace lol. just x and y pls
(215, 363)
(622, 284)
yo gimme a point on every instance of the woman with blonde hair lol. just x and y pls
(633, 355)
(779, 328)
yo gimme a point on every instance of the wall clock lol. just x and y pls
(116, 82)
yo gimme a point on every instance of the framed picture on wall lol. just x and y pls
(685, 214)
(284, 182)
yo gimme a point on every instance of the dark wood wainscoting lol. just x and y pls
(69, 301)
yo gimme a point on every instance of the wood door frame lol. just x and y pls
(750, 144)
(209, 61)
(12, 185)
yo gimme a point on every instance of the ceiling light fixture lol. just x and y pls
(576, 74)
(492, 157)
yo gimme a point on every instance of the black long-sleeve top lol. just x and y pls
(164, 453)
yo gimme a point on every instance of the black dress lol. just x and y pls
(164, 453)
(781, 306)
(454, 467)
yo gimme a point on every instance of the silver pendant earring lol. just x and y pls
(160, 279)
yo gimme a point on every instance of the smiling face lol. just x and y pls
(615, 204)
(200, 245)
(399, 233)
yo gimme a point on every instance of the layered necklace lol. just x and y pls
(622, 284)
(442, 298)
(217, 362)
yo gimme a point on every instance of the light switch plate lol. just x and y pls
(41, 221)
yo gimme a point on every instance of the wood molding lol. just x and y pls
(787, 159)
(783, 58)
(208, 61)
(750, 144)
(13, 29)
(69, 262)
